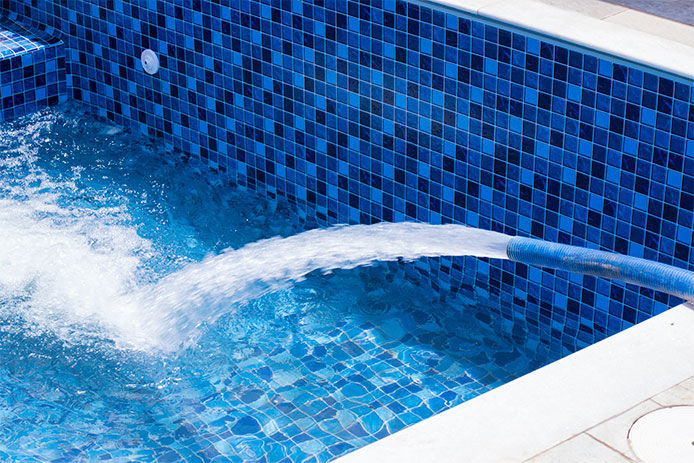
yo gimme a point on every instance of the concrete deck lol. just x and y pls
(609, 441)
(676, 10)
(681, 11)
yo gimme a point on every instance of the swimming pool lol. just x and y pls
(361, 112)
(92, 212)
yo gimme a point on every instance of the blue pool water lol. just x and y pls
(90, 214)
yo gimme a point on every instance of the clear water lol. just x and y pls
(108, 250)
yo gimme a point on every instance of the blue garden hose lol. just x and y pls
(660, 277)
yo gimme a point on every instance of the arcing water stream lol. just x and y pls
(170, 310)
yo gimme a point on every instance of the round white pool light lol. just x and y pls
(150, 61)
(665, 435)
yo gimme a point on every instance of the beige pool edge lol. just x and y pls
(534, 413)
(629, 34)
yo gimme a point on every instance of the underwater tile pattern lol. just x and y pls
(320, 398)
(32, 68)
(362, 111)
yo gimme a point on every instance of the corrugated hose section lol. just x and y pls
(654, 275)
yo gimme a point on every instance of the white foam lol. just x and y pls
(65, 267)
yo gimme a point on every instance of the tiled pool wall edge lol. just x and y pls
(31, 79)
(390, 110)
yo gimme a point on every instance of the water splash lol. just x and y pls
(86, 233)
(173, 309)
(64, 271)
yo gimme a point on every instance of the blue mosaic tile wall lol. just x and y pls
(32, 67)
(362, 111)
